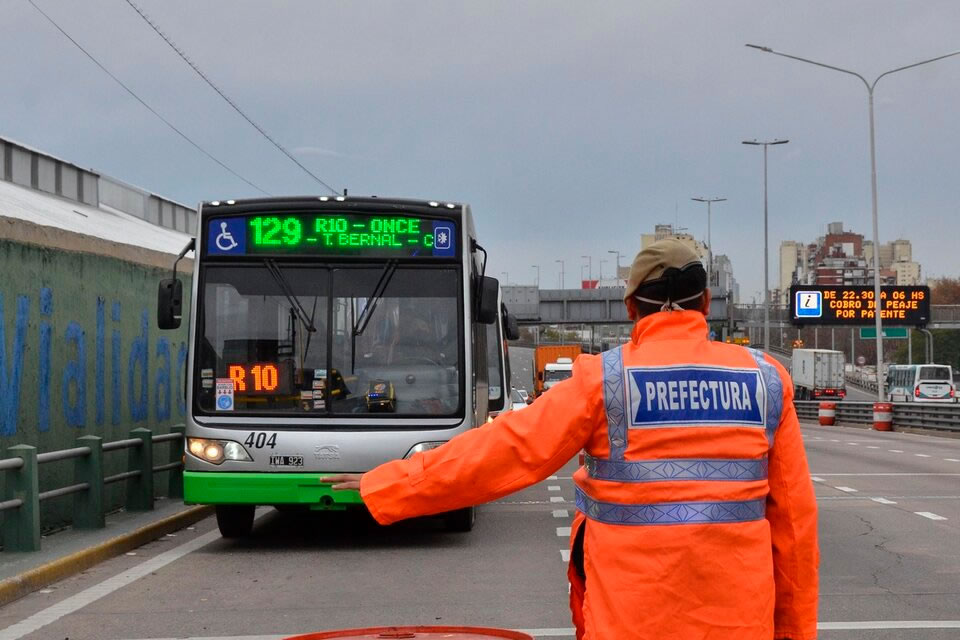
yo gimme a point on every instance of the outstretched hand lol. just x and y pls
(343, 481)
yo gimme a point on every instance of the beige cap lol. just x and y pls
(657, 258)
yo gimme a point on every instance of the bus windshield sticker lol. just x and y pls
(224, 394)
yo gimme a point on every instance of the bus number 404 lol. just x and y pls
(261, 440)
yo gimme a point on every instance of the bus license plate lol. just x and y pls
(286, 461)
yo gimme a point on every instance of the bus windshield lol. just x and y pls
(556, 375)
(935, 373)
(315, 341)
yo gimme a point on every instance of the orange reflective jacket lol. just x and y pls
(695, 504)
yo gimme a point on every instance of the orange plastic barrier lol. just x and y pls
(883, 416)
(827, 413)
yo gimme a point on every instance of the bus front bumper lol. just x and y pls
(212, 487)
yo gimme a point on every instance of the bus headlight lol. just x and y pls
(216, 451)
(423, 446)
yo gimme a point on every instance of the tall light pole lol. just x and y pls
(766, 244)
(616, 274)
(537, 267)
(709, 201)
(561, 272)
(506, 277)
(600, 275)
(881, 390)
(589, 260)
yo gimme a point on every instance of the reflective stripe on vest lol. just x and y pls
(614, 401)
(671, 512)
(743, 470)
(774, 387)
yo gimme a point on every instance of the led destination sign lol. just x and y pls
(333, 235)
(856, 305)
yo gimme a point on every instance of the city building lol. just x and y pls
(843, 257)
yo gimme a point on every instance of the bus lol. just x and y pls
(921, 383)
(330, 335)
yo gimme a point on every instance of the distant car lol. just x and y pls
(526, 396)
(517, 400)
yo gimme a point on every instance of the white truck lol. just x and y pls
(818, 374)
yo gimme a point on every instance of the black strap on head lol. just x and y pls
(674, 287)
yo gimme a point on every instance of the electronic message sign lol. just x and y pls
(332, 235)
(856, 305)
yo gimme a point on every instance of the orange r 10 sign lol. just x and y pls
(906, 306)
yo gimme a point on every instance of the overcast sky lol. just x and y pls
(570, 127)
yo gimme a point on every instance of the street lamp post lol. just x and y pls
(709, 201)
(506, 277)
(589, 260)
(561, 272)
(537, 267)
(766, 244)
(616, 274)
(870, 86)
(600, 275)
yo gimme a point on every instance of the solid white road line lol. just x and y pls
(563, 532)
(557, 499)
(887, 474)
(561, 513)
(92, 594)
(553, 487)
(890, 624)
(883, 501)
(847, 489)
(927, 514)
(568, 632)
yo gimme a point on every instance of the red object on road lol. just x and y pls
(827, 413)
(422, 633)
(883, 416)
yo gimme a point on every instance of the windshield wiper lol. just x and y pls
(385, 276)
(295, 304)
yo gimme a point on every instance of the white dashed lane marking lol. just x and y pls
(565, 555)
(816, 478)
(553, 487)
(951, 460)
(563, 532)
(927, 514)
(883, 501)
(921, 455)
(847, 489)
(872, 446)
(561, 513)
(557, 499)
(895, 450)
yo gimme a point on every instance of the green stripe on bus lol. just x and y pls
(216, 487)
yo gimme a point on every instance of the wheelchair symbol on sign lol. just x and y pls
(225, 241)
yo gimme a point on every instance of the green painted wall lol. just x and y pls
(80, 354)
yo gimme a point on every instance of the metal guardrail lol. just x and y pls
(942, 417)
(22, 496)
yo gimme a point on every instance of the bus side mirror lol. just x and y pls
(511, 329)
(169, 304)
(488, 305)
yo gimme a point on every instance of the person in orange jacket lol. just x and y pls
(696, 515)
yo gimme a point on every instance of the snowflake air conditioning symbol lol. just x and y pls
(443, 239)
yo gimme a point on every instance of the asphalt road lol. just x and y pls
(889, 535)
